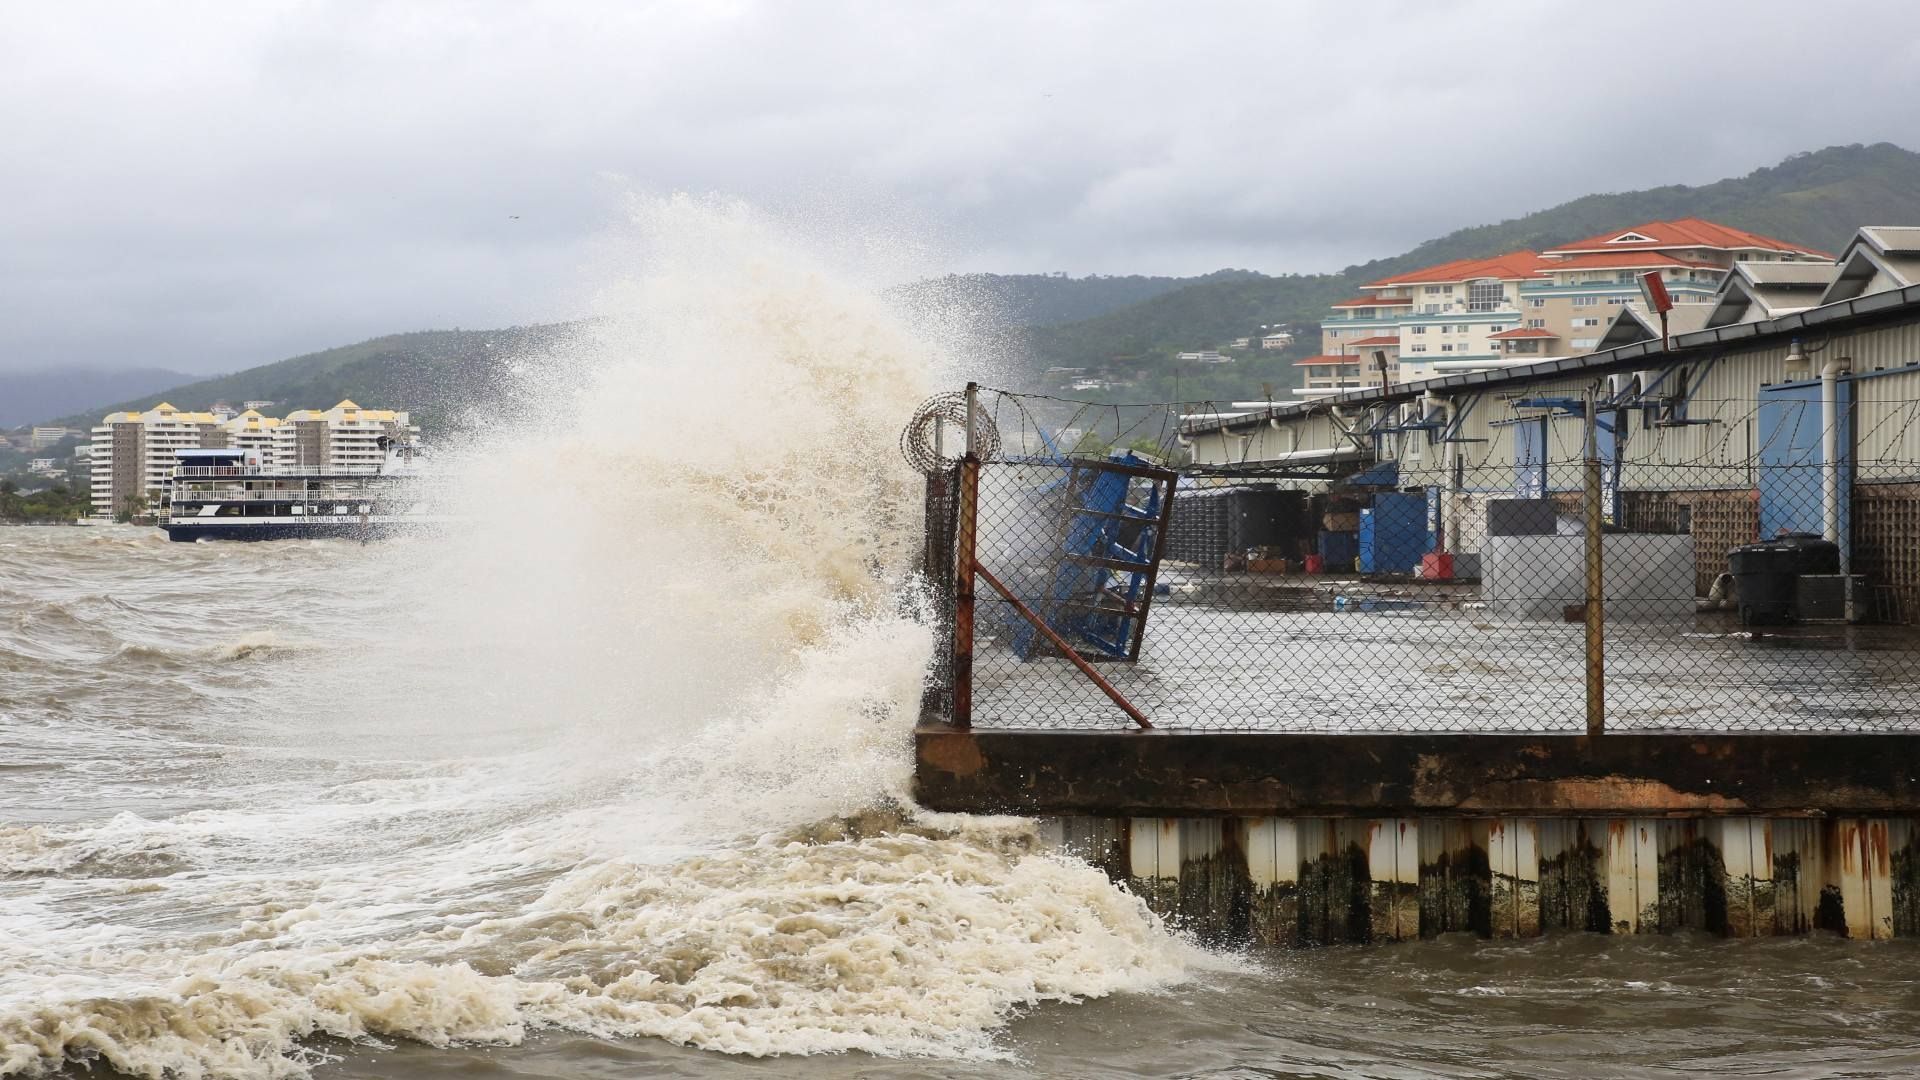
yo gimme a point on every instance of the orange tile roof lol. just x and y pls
(1619, 260)
(1325, 360)
(1513, 266)
(1376, 341)
(1686, 232)
(1375, 301)
(1523, 332)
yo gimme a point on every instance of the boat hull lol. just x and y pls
(241, 529)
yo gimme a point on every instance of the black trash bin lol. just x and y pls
(1766, 575)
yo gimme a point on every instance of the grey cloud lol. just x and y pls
(214, 185)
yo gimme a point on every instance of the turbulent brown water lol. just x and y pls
(610, 782)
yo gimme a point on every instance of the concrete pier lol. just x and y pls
(1321, 839)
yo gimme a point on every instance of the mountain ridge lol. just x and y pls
(1132, 326)
(1816, 198)
(432, 373)
(27, 397)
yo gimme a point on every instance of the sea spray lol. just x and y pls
(588, 761)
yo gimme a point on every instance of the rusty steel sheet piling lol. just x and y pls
(1303, 881)
(963, 593)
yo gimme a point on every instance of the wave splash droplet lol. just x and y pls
(616, 756)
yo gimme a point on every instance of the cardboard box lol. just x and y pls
(1347, 522)
(1267, 566)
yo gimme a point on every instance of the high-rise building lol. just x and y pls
(133, 455)
(253, 432)
(345, 438)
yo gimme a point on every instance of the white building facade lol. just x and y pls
(254, 433)
(343, 439)
(133, 453)
(1525, 306)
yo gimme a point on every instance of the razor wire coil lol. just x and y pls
(935, 440)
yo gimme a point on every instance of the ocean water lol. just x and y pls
(613, 781)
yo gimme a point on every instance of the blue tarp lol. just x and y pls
(1385, 474)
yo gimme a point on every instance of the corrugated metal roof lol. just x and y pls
(1898, 239)
(1789, 274)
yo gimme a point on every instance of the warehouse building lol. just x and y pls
(1716, 432)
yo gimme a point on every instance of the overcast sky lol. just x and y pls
(208, 186)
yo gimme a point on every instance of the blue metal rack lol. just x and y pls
(1113, 531)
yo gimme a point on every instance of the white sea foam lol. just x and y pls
(622, 755)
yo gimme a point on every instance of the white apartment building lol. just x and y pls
(133, 454)
(1522, 307)
(253, 432)
(1439, 314)
(1360, 364)
(345, 438)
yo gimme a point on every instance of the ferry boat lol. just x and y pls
(229, 495)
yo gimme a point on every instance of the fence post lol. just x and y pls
(1596, 599)
(964, 521)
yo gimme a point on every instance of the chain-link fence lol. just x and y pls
(1586, 567)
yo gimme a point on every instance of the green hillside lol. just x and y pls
(1815, 199)
(433, 373)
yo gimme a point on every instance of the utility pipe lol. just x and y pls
(1430, 402)
(1830, 373)
(1336, 453)
(1292, 430)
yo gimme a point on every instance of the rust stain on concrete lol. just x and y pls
(955, 753)
(1599, 795)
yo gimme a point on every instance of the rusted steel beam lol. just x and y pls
(1066, 650)
(1624, 774)
(964, 521)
